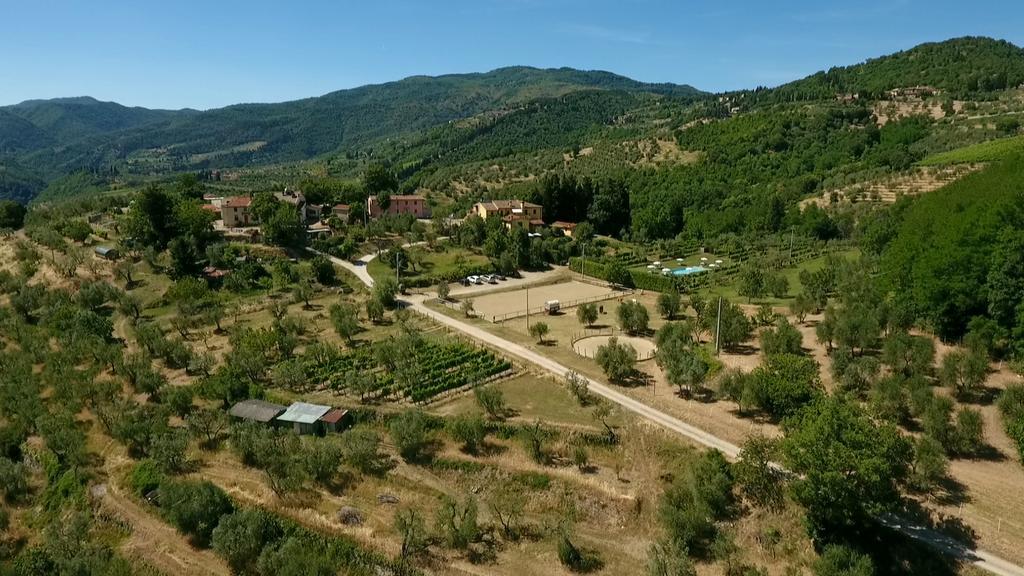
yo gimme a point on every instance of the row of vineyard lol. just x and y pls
(426, 368)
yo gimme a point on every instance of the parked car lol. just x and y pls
(473, 279)
(490, 279)
(552, 306)
(500, 277)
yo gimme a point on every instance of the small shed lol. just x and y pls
(304, 418)
(256, 411)
(334, 420)
(106, 252)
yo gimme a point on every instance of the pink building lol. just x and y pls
(400, 204)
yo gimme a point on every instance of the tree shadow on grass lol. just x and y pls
(897, 554)
(986, 396)
(951, 492)
(741, 350)
(950, 528)
(638, 379)
(490, 449)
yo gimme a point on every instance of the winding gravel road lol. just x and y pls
(945, 544)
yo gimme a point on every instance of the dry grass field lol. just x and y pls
(498, 306)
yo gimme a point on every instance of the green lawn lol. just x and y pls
(990, 151)
(445, 260)
(730, 291)
(534, 397)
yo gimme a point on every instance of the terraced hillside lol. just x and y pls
(916, 181)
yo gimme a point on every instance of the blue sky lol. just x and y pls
(204, 54)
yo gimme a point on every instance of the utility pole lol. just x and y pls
(583, 263)
(791, 229)
(718, 329)
(527, 308)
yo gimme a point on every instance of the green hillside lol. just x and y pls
(17, 183)
(96, 135)
(950, 245)
(990, 151)
(509, 127)
(66, 119)
(964, 67)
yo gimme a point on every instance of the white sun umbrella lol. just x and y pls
(712, 265)
(657, 263)
(651, 266)
(718, 261)
(680, 260)
(665, 270)
(704, 259)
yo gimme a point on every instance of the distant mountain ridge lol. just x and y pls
(42, 140)
(58, 136)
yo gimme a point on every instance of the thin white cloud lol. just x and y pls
(619, 35)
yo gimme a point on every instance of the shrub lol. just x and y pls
(617, 360)
(575, 559)
(783, 338)
(241, 536)
(839, 560)
(145, 477)
(1011, 404)
(195, 508)
(409, 433)
(633, 317)
(669, 304)
(969, 436)
(13, 479)
(457, 522)
(784, 383)
(468, 429)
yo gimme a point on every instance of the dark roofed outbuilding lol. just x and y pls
(256, 411)
(334, 420)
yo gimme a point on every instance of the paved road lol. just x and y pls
(984, 560)
(358, 269)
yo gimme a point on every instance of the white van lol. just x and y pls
(552, 306)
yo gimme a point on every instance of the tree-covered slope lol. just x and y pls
(956, 253)
(18, 135)
(67, 119)
(17, 183)
(59, 136)
(962, 67)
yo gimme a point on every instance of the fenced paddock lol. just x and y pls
(501, 306)
(587, 343)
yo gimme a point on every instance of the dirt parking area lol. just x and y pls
(498, 306)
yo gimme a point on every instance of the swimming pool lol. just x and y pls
(686, 271)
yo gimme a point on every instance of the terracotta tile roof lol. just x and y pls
(211, 208)
(408, 197)
(565, 225)
(341, 206)
(238, 202)
(508, 204)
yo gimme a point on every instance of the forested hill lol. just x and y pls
(436, 130)
(54, 137)
(962, 67)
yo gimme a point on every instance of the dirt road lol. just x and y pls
(979, 558)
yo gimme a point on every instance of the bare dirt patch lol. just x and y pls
(588, 345)
(501, 305)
